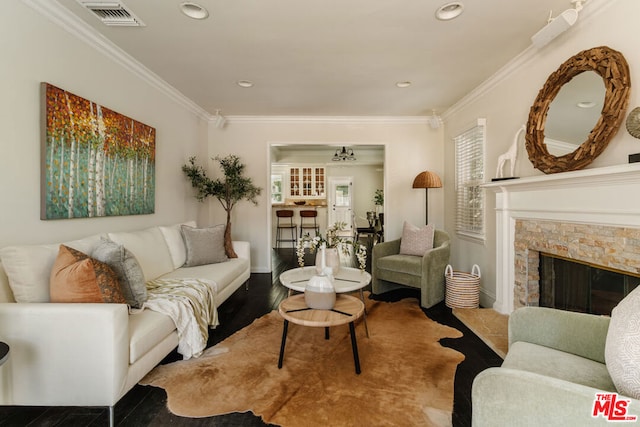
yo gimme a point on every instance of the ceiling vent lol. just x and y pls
(113, 13)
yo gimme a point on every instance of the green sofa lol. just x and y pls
(553, 370)
(390, 270)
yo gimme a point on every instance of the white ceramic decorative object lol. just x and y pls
(332, 260)
(319, 292)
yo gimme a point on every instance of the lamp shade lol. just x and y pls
(427, 179)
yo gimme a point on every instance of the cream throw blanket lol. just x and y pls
(191, 305)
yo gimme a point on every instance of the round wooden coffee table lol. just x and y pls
(347, 310)
(348, 279)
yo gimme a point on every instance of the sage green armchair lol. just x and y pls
(390, 270)
(553, 370)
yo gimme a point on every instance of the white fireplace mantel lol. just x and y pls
(608, 196)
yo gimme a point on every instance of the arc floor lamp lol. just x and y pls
(427, 180)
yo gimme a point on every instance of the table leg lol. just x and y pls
(366, 328)
(284, 341)
(354, 347)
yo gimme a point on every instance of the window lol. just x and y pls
(276, 188)
(469, 177)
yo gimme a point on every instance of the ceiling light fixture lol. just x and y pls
(344, 154)
(194, 10)
(586, 104)
(558, 25)
(244, 83)
(449, 11)
(403, 84)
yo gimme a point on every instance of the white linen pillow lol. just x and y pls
(416, 240)
(622, 348)
(28, 267)
(204, 245)
(173, 235)
(150, 249)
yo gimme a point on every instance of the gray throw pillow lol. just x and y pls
(127, 269)
(204, 245)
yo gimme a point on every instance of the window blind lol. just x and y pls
(469, 152)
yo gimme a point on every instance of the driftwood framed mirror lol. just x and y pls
(612, 67)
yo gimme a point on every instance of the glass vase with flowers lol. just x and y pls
(335, 242)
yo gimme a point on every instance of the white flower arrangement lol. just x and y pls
(332, 240)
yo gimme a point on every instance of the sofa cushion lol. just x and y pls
(127, 269)
(28, 267)
(173, 236)
(149, 248)
(558, 364)
(622, 348)
(221, 273)
(204, 245)
(416, 240)
(146, 329)
(76, 277)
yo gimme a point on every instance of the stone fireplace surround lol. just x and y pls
(592, 215)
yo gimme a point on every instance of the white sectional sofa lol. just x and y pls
(91, 354)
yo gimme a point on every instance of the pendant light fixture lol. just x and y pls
(344, 154)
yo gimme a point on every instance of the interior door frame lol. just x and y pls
(269, 160)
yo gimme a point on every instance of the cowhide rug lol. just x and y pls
(407, 376)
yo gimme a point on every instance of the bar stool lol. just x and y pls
(285, 222)
(309, 215)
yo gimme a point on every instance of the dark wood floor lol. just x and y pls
(146, 406)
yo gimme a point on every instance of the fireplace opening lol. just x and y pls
(576, 286)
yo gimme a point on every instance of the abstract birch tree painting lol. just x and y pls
(95, 162)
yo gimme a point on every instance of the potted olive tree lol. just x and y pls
(233, 188)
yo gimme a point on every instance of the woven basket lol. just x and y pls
(462, 289)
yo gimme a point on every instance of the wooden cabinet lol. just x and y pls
(307, 181)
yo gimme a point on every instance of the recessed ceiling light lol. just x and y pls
(586, 104)
(194, 10)
(449, 11)
(244, 83)
(403, 84)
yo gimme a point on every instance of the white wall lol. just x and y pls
(410, 147)
(505, 100)
(35, 50)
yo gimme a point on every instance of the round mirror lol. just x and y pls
(573, 113)
(551, 142)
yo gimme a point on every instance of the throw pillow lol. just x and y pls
(416, 240)
(76, 277)
(127, 269)
(204, 245)
(622, 348)
(173, 236)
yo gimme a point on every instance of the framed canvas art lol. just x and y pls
(95, 161)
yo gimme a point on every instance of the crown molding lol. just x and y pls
(592, 9)
(329, 119)
(61, 16)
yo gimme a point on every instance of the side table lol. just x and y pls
(346, 311)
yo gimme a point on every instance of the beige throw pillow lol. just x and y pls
(622, 348)
(416, 240)
(204, 245)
